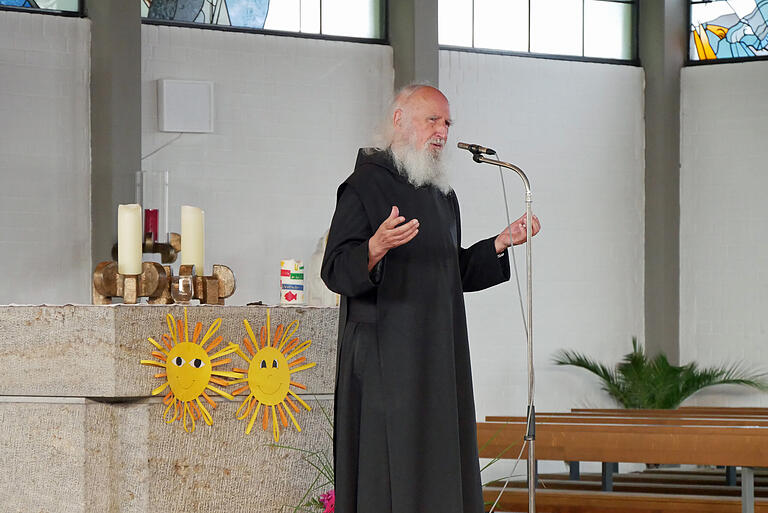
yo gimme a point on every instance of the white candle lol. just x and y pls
(193, 238)
(129, 239)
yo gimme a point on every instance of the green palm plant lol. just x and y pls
(640, 382)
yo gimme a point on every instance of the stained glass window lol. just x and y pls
(350, 18)
(728, 29)
(591, 29)
(45, 5)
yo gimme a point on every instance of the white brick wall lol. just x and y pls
(290, 114)
(44, 159)
(723, 222)
(576, 129)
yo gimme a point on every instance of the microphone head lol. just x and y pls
(476, 149)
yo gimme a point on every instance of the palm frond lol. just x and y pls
(565, 357)
(639, 382)
(610, 380)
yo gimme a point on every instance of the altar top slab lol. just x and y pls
(94, 351)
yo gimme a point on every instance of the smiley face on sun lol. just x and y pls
(268, 376)
(189, 370)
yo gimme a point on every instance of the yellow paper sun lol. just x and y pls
(269, 376)
(189, 370)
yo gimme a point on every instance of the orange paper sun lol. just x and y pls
(189, 370)
(269, 376)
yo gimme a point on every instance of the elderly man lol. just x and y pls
(404, 420)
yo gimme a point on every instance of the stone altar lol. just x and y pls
(80, 432)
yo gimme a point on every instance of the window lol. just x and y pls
(591, 29)
(53, 6)
(728, 29)
(363, 19)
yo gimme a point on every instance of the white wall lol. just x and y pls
(576, 129)
(723, 222)
(45, 212)
(290, 114)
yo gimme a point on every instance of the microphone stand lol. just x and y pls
(530, 435)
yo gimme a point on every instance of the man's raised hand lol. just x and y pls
(519, 235)
(393, 232)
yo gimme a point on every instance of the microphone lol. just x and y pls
(476, 149)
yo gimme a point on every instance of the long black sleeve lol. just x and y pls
(479, 264)
(345, 263)
(481, 267)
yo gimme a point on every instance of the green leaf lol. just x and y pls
(641, 383)
(321, 464)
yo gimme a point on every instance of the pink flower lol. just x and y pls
(328, 500)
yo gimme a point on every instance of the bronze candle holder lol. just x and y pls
(209, 290)
(152, 283)
(158, 284)
(169, 251)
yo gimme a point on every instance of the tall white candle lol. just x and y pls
(129, 239)
(193, 238)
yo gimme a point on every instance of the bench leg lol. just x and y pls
(730, 476)
(573, 471)
(607, 475)
(747, 490)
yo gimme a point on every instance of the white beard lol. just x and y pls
(421, 166)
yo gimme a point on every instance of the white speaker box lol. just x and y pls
(185, 106)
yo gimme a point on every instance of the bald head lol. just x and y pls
(416, 91)
(421, 117)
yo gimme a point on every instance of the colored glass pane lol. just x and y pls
(356, 18)
(238, 13)
(247, 13)
(728, 29)
(45, 5)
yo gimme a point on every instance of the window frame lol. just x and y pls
(383, 40)
(706, 62)
(634, 61)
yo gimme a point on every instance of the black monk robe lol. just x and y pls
(404, 419)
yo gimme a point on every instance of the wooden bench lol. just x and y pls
(642, 420)
(567, 501)
(679, 412)
(689, 437)
(711, 479)
(648, 417)
(725, 409)
(702, 475)
(636, 482)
